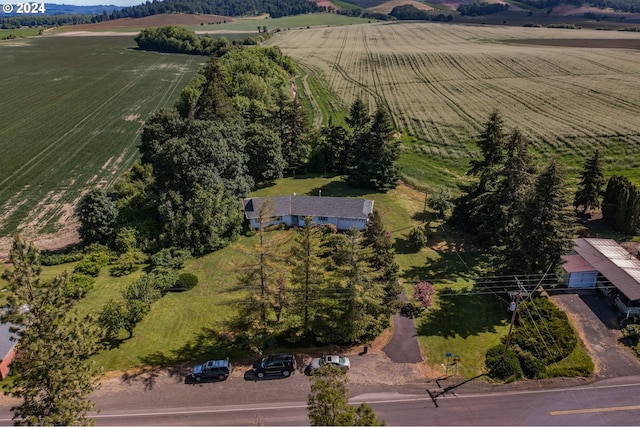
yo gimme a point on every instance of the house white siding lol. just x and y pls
(343, 212)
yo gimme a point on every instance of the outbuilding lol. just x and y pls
(604, 264)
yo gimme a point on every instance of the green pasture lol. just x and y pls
(19, 32)
(70, 115)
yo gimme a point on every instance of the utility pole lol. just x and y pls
(521, 290)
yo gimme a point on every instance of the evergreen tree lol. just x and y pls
(383, 260)
(293, 126)
(307, 273)
(515, 183)
(358, 121)
(544, 228)
(475, 207)
(213, 102)
(53, 374)
(364, 314)
(378, 152)
(590, 186)
(328, 401)
(358, 118)
(621, 205)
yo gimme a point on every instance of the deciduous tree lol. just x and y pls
(98, 214)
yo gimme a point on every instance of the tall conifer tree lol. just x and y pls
(53, 374)
(591, 182)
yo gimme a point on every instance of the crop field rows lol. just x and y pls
(71, 112)
(441, 82)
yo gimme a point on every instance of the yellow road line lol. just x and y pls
(591, 410)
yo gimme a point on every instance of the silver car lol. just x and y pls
(341, 362)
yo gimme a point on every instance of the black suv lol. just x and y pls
(276, 364)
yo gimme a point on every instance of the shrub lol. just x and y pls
(127, 263)
(532, 367)
(503, 368)
(544, 330)
(101, 258)
(417, 238)
(170, 258)
(78, 285)
(88, 268)
(164, 279)
(62, 258)
(187, 281)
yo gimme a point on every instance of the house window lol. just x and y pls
(323, 218)
(276, 218)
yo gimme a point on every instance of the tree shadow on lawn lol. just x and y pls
(450, 265)
(339, 189)
(207, 345)
(462, 314)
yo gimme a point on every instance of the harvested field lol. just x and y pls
(442, 81)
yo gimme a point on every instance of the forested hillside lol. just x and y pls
(275, 9)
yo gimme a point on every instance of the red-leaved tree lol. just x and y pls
(423, 292)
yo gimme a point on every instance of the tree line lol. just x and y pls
(521, 215)
(412, 13)
(481, 8)
(617, 5)
(173, 39)
(275, 9)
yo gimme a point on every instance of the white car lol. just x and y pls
(341, 362)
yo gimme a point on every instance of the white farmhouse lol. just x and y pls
(343, 212)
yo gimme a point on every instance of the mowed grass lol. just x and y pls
(442, 81)
(193, 325)
(71, 112)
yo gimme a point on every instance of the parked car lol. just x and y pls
(275, 364)
(219, 369)
(341, 362)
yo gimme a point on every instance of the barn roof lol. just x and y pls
(614, 262)
(337, 207)
(576, 264)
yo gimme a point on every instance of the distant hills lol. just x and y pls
(68, 9)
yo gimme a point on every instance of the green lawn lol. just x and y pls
(191, 325)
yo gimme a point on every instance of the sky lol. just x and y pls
(98, 2)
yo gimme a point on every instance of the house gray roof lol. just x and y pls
(614, 262)
(338, 207)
